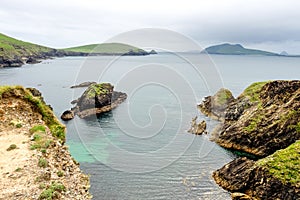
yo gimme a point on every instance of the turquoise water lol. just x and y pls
(141, 150)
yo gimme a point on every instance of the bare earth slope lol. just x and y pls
(34, 163)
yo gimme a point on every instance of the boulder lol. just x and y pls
(67, 115)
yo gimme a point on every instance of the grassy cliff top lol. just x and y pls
(11, 48)
(284, 164)
(19, 92)
(105, 48)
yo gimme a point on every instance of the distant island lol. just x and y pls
(238, 49)
(15, 53)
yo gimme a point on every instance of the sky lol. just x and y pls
(271, 25)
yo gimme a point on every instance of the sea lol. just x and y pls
(142, 149)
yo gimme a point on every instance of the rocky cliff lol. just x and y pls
(34, 162)
(262, 121)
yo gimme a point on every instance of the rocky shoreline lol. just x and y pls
(37, 58)
(263, 121)
(33, 156)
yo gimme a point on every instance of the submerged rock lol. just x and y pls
(96, 99)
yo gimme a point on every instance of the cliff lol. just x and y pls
(35, 164)
(262, 121)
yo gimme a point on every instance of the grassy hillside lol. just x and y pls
(11, 48)
(105, 48)
(236, 49)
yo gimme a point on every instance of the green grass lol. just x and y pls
(105, 48)
(51, 191)
(37, 128)
(98, 89)
(253, 91)
(284, 164)
(43, 163)
(10, 47)
(222, 96)
(57, 129)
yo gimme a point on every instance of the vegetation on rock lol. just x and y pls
(284, 164)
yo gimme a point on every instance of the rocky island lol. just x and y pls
(96, 99)
(35, 163)
(263, 121)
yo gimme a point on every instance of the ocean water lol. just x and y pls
(141, 150)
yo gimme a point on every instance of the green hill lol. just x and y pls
(107, 48)
(236, 49)
(11, 48)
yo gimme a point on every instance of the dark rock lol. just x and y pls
(197, 128)
(235, 175)
(84, 84)
(244, 176)
(152, 52)
(96, 99)
(67, 115)
(35, 92)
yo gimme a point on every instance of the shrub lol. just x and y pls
(37, 128)
(51, 191)
(11, 147)
(43, 163)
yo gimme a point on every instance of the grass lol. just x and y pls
(105, 48)
(57, 129)
(98, 89)
(10, 48)
(222, 96)
(284, 164)
(37, 128)
(51, 191)
(43, 163)
(253, 91)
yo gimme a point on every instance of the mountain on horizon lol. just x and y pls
(236, 49)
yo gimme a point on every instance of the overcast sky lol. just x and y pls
(266, 24)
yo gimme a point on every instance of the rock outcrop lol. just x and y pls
(215, 106)
(35, 163)
(260, 121)
(96, 99)
(274, 177)
(197, 128)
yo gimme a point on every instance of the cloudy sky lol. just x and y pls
(266, 24)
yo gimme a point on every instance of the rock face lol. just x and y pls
(248, 180)
(263, 121)
(96, 99)
(260, 121)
